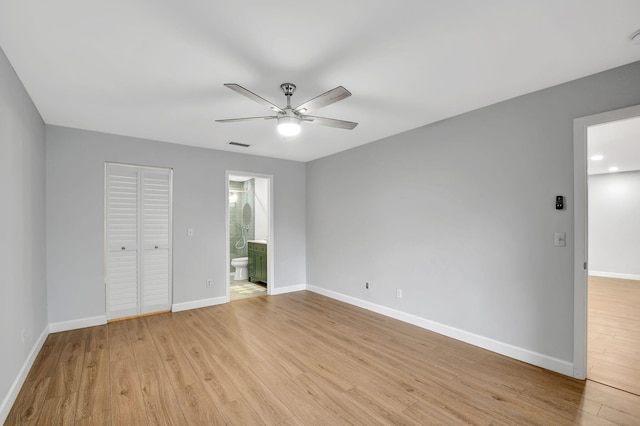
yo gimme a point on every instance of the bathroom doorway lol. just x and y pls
(249, 235)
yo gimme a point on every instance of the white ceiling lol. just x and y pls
(618, 142)
(156, 68)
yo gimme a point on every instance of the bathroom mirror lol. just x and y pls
(246, 214)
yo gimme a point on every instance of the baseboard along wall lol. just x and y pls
(615, 275)
(521, 354)
(11, 396)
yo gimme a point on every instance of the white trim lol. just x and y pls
(202, 303)
(55, 327)
(580, 126)
(10, 397)
(615, 275)
(288, 289)
(535, 358)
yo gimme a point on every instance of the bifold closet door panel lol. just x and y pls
(156, 240)
(121, 215)
(138, 240)
(122, 295)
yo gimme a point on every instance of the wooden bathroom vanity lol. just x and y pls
(258, 261)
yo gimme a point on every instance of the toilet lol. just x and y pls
(240, 263)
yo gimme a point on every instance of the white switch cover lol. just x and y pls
(560, 239)
(190, 232)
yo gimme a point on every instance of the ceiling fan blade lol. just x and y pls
(233, 120)
(249, 94)
(327, 98)
(331, 122)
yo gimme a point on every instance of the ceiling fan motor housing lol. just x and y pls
(288, 88)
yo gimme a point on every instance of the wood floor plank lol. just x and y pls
(301, 358)
(306, 406)
(98, 338)
(33, 395)
(66, 377)
(227, 397)
(98, 419)
(28, 406)
(59, 411)
(191, 394)
(335, 401)
(94, 395)
(127, 400)
(613, 325)
(161, 404)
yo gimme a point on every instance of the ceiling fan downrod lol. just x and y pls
(288, 89)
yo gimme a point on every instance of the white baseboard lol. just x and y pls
(288, 289)
(541, 360)
(11, 396)
(195, 304)
(615, 275)
(55, 327)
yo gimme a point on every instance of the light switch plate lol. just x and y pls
(560, 239)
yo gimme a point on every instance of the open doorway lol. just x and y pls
(607, 237)
(249, 235)
(613, 234)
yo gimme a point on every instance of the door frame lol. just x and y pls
(580, 227)
(270, 240)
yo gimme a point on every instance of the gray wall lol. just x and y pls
(460, 215)
(23, 293)
(75, 203)
(614, 224)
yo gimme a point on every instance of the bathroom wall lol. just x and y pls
(237, 196)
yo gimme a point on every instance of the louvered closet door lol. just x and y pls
(122, 241)
(156, 244)
(138, 240)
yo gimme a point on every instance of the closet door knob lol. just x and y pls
(122, 247)
(156, 246)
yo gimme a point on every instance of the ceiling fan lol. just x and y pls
(289, 118)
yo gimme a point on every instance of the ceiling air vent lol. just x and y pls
(244, 145)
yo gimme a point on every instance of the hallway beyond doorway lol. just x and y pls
(613, 343)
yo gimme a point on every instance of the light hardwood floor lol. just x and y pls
(295, 359)
(613, 355)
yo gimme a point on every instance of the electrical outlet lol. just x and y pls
(399, 293)
(209, 283)
(366, 285)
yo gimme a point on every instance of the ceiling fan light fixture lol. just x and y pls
(289, 126)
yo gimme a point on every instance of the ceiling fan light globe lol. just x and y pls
(289, 126)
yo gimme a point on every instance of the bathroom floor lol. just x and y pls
(246, 289)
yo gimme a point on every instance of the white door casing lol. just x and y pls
(581, 256)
